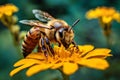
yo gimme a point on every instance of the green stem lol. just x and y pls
(107, 31)
(65, 77)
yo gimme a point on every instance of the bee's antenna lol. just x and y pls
(74, 24)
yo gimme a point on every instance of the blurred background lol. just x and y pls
(86, 32)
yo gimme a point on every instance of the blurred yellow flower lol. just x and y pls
(7, 9)
(67, 60)
(107, 14)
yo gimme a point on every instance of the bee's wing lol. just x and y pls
(42, 16)
(34, 23)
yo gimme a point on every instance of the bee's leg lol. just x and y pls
(50, 49)
(74, 43)
(59, 44)
(42, 47)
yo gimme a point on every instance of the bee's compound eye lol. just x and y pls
(61, 32)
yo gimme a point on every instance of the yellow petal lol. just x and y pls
(39, 56)
(57, 65)
(8, 13)
(85, 48)
(106, 19)
(98, 53)
(94, 63)
(26, 61)
(37, 68)
(116, 16)
(1, 15)
(91, 14)
(69, 68)
(20, 68)
(14, 8)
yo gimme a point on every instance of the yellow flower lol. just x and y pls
(107, 14)
(67, 60)
(7, 9)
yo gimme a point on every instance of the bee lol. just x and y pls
(45, 31)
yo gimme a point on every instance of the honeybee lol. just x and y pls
(46, 31)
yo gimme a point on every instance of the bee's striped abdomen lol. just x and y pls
(31, 40)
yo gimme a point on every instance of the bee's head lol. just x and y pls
(66, 35)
